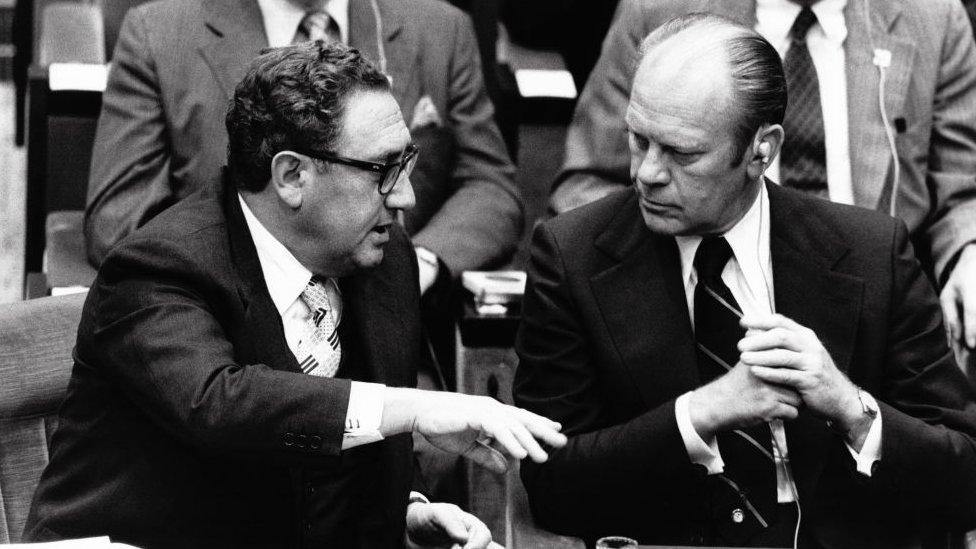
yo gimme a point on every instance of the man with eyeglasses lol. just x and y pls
(245, 360)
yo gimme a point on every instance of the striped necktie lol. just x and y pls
(319, 347)
(750, 470)
(317, 25)
(803, 161)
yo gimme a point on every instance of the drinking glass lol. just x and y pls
(616, 542)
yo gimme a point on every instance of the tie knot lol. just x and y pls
(316, 294)
(801, 26)
(318, 25)
(712, 255)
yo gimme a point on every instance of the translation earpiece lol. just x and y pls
(764, 150)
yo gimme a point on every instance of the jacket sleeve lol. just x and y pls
(597, 160)
(155, 327)
(928, 409)
(557, 377)
(951, 177)
(481, 222)
(129, 177)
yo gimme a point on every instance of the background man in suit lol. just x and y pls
(161, 136)
(648, 331)
(928, 57)
(243, 360)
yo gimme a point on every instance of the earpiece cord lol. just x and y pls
(787, 468)
(882, 59)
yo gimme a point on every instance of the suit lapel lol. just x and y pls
(869, 151)
(263, 334)
(237, 36)
(644, 307)
(804, 252)
(400, 58)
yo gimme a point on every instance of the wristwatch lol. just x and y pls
(869, 407)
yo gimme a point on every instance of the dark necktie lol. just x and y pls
(803, 163)
(746, 505)
(317, 25)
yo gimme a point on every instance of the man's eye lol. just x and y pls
(682, 157)
(640, 141)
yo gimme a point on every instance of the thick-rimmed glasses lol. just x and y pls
(390, 173)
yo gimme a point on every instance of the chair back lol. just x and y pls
(71, 32)
(36, 341)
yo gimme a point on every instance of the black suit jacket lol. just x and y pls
(187, 422)
(606, 346)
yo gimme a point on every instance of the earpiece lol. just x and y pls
(764, 151)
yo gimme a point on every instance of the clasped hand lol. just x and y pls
(782, 367)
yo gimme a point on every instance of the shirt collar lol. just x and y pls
(281, 19)
(748, 238)
(284, 276)
(775, 17)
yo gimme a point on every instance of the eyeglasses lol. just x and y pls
(390, 174)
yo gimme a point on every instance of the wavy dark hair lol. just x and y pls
(292, 98)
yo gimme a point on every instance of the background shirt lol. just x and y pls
(825, 40)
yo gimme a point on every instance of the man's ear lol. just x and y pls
(289, 177)
(765, 146)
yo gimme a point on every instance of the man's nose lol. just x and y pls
(401, 197)
(653, 169)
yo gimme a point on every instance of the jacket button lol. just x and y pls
(289, 439)
(738, 516)
(315, 442)
(301, 440)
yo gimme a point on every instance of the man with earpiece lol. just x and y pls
(736, 363)
(882, 118)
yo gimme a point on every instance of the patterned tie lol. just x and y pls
(803, 162)
(750, 471)
(317, 25)
(319, 346)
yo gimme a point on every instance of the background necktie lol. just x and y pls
(319, 347)
(317, 25)
(749, 467)
(803, 161)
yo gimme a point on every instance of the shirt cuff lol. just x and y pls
(871, 450)
(363, 415)
(699, 451)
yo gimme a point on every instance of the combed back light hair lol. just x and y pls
(292, 98)
(758, 83)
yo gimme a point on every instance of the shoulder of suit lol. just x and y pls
(168, 9)
(592, 218)
(430, 13)
(844, 220)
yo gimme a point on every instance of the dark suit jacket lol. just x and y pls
(161, 133)
(606, 346)
(187, 422)
(931, 88)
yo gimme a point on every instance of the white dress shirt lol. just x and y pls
(282, 17)
(285, 278)
(749, 276)
(825, 40)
